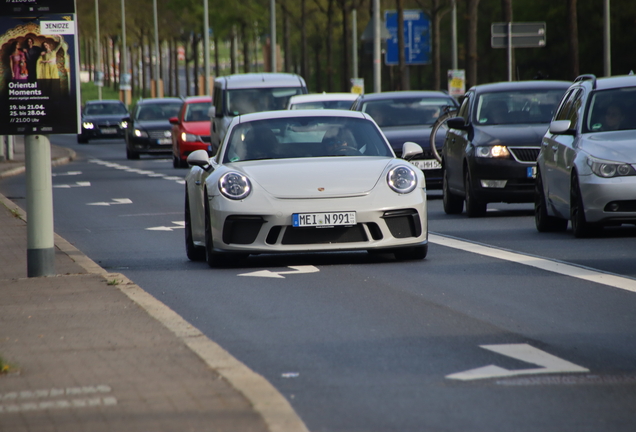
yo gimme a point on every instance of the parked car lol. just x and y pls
(322, 101)
(306, 180)
(103, 119)
(149, 129)
(409, 116)
(240, 94)
(191, 130)
(587, 164)
(491, 147)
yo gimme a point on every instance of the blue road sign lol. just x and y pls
(417, 38)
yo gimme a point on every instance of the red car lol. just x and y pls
(191, 130)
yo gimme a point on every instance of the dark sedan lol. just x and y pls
(103, 119)
(149, 129)
(408, 116)
(491, 147)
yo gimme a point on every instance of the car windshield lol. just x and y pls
(517, 107)
(304, 137)
(158, 111)
(105, 109)
(247, 101)
(332, 104)
(197, 112)
(613, 109)
(406, 111)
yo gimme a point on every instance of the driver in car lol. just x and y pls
(342, 143)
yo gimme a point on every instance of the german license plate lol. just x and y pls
(531, 172)
(323, 219)
(427, 164)
(108, 131)
(165, 141)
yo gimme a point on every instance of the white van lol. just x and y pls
(247, 93)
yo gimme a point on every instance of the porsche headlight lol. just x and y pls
(497, 151)
(88, 125)
(402, 179)
(189, 137)
(235, 186)
(141, 133)
(608, 169)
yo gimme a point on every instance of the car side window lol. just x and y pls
(218, 99)
(577, 101)
(563, 113)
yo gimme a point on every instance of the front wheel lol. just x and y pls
(474, 206)
(542, 220)
(453, 204)
(194, 252)
(580, 226)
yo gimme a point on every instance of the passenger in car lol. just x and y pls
(613, 117)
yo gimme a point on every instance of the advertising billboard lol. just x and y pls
(38, 75)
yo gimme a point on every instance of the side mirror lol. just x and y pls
(174, 120)
(199, 158)
(561, 127)
(457, 123)
(212, 111)
(411, 150)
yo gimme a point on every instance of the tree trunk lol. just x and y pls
(246, 48)
(436, 61)
(573, 39)
(471, 43)
(506, 15)
(217, 61)
(304, 69)
(346, 67)
(286, 42)
(186, 67)
(195, 54)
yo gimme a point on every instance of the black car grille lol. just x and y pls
(158, 134)
(525, 154)
(297, 236)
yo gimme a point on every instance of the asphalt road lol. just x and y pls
(360, 342)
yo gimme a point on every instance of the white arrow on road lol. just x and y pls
(77, 184)
(271, 274)
(115, 201)
(179, 224)
(523, 352)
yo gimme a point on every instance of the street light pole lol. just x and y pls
(206, 46)
(124, 55)
(272, 38)
(157, 83)
(377, 65)
(454, 35)
(98, 69)
(607, 45)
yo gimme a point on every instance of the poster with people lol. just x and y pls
(39, 90)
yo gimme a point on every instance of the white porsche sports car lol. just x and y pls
(301, 181)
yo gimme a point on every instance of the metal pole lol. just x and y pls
(99, 49)
(124, 51)
(354, 41)
(454, 35)
(509, 51)
(40, 238)
(607, 45)
(206, 46)
(272, 30)
(377, 65)
(157, 81)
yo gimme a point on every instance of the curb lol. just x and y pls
(55, 162)
(278, 414)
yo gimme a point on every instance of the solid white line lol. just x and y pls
(584, 273)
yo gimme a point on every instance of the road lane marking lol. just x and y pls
(524, 352)
(76, 184)
(272, 274)
(554, 266)
(115, 201)
(178, 224)
(152, 174)
(68, 173)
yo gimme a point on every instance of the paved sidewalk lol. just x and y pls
(92, 351)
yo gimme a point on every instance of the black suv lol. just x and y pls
(149, 129)
(491, 147)
(103, 119)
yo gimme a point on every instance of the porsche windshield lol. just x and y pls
(305, 137)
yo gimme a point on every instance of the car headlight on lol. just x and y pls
(189, 137)
(402, 179)
(497, 151)
(141, 133)
(608, 169)
(235, 186)
(88, 125)
(123, 124)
